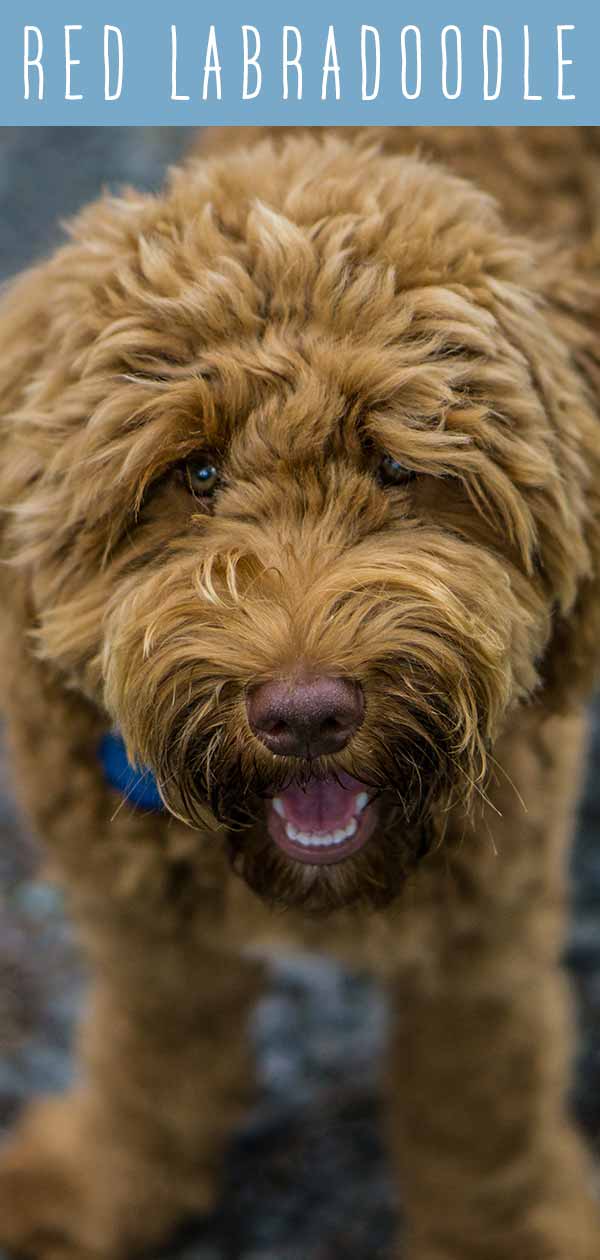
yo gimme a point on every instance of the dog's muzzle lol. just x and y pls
(307, 716)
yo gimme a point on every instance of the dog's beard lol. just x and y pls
(369, 879)
(414, 758)
(211, 768)
(249, 794)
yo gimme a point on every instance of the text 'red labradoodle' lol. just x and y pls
(300, 608)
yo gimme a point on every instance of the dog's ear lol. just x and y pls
(560, 337)
(572, 293)
(24, 323)
(26, 317)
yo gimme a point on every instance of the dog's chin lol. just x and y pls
(328, 845)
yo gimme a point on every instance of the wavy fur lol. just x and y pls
(298, 307)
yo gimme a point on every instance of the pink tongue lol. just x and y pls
(321, 806)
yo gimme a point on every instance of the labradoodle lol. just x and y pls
(300, 609)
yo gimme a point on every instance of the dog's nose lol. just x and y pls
(305, 717)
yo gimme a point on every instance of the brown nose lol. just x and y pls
(305, 717)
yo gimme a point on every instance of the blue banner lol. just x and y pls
(199, 62)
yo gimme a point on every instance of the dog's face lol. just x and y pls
(295, 508)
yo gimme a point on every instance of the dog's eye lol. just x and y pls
(391, 473)
(201, 476)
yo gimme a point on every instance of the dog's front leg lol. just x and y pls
(489, 1165)
(109, 1169)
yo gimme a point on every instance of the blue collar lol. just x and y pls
(137, 786)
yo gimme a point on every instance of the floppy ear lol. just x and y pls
(563, 350)
(25, 322)
(548, 309)
(24, 333)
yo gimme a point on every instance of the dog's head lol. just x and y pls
(299, 483)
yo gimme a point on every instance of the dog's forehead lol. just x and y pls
(275, 258)
(281, 300)
(304, 396)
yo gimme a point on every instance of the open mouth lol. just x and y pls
(322, 822)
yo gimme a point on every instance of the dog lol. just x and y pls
(300, 612)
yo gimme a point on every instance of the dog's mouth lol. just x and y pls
(322, 822)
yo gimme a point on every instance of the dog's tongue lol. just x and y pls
(322, 822)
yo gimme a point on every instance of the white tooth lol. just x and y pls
(361, 801)
(322, 839)
(278, 806)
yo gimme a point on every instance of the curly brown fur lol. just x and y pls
(299, 309)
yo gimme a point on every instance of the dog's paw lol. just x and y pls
(52, 1200)
(34, 1210)
(69, 1190)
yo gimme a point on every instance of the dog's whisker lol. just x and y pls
(129, 793)
(504, 772)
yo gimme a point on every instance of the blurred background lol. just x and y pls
(306, 1176)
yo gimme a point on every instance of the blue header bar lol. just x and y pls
(199, 62)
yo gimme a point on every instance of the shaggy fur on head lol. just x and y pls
(301, 314)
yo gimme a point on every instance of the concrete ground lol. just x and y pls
(306, 1177)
